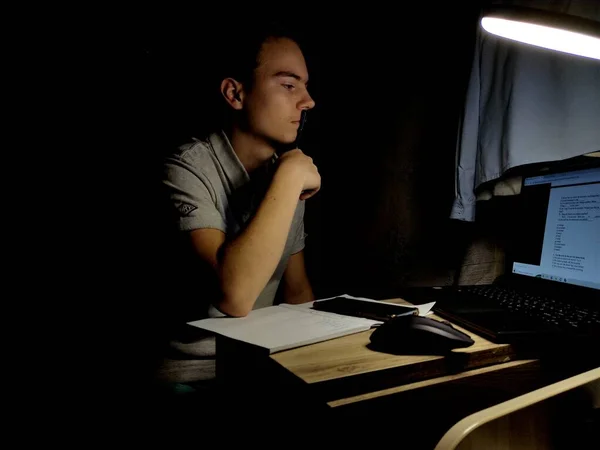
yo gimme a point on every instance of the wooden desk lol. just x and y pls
(344, 378)
(346, 370)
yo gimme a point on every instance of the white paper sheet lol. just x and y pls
(282, 327)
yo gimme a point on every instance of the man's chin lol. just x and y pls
(285, 140)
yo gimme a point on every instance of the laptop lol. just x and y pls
(552, 282)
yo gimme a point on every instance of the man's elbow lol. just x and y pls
(236, 304)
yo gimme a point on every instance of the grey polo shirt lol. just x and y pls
(208, 187)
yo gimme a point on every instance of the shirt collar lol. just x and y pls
(232, 166)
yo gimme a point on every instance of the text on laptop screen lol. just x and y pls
(561, 228)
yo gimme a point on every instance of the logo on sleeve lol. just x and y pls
(185, 209)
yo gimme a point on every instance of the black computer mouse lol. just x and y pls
(418, 335)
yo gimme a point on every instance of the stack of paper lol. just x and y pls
(282, 327)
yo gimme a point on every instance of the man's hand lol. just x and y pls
(297, 163)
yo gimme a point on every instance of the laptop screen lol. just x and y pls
(561, 228)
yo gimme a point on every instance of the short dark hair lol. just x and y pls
(240, 55)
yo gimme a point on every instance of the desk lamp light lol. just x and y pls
(556, 31)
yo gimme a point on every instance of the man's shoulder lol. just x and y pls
(197, 156)
(194, 151)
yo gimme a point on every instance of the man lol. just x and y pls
(238, 205)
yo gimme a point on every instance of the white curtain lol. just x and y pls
(524, 105)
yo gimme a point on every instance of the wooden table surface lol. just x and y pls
(343, 381)
(346, 367)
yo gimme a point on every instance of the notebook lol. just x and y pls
(282, 327)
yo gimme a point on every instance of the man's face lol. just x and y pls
(279, 94)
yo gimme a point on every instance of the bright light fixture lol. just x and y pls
(543, 36)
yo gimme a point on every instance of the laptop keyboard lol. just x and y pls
(545, 308)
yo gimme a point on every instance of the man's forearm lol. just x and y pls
(249, 261)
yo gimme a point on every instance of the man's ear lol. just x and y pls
(233, 93)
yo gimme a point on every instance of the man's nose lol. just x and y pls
(307, 102)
